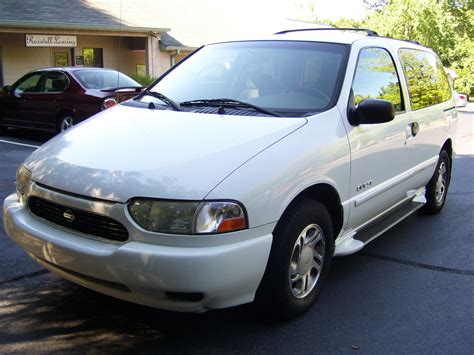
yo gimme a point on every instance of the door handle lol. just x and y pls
(412, 130)
(415, 128)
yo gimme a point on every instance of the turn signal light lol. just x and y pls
(232, 224)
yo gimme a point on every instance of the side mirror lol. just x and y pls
(6, 89)
(371, 111)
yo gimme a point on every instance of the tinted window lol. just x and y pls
(55, 82)
(376, 78)
(101, 79)
(279, 75)
(426, 78)
(28, 83)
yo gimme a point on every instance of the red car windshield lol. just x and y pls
(101, 79)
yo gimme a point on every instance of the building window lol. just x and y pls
(93, 57)
(61, 59)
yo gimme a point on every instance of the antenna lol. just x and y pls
(119, 46)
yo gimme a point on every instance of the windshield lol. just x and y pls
(282, 76)
(101, 79)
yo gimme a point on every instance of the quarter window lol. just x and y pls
(376, 78)
(426, 78)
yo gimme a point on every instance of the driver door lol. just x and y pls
(378, 160)
(19, 102)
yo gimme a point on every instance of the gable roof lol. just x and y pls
(189, 23)
(104, 15)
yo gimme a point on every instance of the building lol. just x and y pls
(142, 37)
(40, 33)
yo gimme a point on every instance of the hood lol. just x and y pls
(127, 152)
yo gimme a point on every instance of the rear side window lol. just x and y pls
(376, 78)
(55, 82)
(426, 78)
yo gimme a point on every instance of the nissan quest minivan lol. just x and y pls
(240, 173)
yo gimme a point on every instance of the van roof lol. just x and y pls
(320, 35)
(330, 35)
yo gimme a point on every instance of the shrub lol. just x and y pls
(144, 80)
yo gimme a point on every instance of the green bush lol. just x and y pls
(144, 80)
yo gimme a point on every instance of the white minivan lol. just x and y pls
(240, 173)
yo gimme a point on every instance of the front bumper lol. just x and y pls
(162, 276)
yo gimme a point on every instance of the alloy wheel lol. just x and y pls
(306, 260)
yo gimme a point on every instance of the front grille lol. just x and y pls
(78, 220)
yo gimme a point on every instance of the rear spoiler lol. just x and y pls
(125, 89)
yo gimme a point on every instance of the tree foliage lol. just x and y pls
(447, 26)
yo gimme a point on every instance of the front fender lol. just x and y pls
(268, 183)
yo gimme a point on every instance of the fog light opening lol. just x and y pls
(185, 296)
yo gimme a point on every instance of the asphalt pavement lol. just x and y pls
(409, 291)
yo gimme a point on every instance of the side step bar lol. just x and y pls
(355, 240)
(372, 231)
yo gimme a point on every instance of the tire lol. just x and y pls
(437, 188)
(3, 129)
(299, 261)
(64, 123)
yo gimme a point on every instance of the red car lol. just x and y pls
(54, 99)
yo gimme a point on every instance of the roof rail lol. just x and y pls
(366, 30)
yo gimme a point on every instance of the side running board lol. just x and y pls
(372, 231)
(355, 240)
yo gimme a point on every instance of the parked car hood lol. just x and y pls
(127, 152)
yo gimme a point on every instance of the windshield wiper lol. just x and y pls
(228, 103)
(161, 97)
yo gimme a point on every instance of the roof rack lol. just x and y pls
(366, 30)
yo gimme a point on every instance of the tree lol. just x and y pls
(446, 26)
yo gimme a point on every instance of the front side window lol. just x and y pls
(28, 83)
(376, 78)
(283, 76)
(426, 78)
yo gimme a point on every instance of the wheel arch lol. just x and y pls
(328, 196)
(62, 113)
(448, 147)
(65, 111)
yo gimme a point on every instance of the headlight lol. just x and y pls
(219, 217)
(183, 217)
(23, 180)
